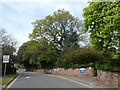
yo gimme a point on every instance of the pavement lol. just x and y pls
(91, 81)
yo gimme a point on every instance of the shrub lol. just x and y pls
(109, 65)
(10, 69)
(79, 58)
(87, 55)
(65, 60)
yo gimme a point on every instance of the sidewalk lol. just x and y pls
(91, 81)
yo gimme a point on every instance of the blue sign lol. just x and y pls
(82, 70)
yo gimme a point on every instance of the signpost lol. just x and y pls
(6, 59)
(82, 70)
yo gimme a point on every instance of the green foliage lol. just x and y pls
(57, 29)
(10, 69)
(7, 47)
(21, 51)
(48, 57)
(109, 64)
(8, 43)
(51, 36)
(71, 41)
(6, 80)
(34, 54)
(18, 66)
(102, 20)
(79, 58)
(87, 55)
(24, 55)
(65, 60)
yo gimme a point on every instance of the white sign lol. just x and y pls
(82, 70)
(6, 58)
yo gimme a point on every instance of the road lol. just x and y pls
(34, 80)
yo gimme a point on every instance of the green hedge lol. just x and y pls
(85, 57)
(82, 57)
(109, 65)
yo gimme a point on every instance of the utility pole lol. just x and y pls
(1, 59)
(5, 70)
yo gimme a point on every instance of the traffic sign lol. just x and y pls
(6, 58)
(82, 70)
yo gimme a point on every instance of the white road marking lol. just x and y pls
(13, 81)
(50, 75)
(72, 81)
(76, 82)
(27, 77)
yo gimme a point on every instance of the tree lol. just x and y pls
(7, 42)
(102, 20)
(21, 52)
(33, 54)
(8, 47)
(48, 57)
(44, 55)
(4, 37)
(24, 55)
(71, 42)
(56, 28)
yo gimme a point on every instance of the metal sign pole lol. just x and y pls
(5, 70)
(5, 60)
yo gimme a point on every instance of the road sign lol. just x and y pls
(6, 58)
(82, 70)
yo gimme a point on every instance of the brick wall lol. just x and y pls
(68, 72)
(109, 78)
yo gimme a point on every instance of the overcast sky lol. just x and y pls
(17, 15)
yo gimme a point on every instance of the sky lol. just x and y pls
(17, 15)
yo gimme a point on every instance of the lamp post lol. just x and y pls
(1, 45)
(2, 58)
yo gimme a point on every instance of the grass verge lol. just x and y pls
(5, 80)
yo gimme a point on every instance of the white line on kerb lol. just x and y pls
(72, 81)
(13, 81)
(75, 81)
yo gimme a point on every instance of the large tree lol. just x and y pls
(24, 55)
(7, 47)
(33, 54)
(102, 20)
(7, 42)
(57, 27)
(54, 35)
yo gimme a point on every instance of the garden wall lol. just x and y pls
(109, 78)
(69, 72)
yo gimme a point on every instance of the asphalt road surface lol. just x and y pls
(34, 80)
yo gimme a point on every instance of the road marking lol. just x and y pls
(72, 81)
(50, 75)
(27, 77)
(76, 82)
(13, 81)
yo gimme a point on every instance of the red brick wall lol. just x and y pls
(109, 78)
(68, 72)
